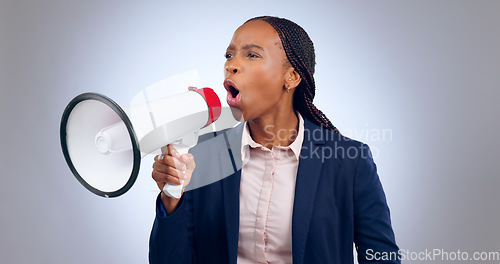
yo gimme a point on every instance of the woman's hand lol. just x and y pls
(172, 168)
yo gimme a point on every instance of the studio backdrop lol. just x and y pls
(415, 80)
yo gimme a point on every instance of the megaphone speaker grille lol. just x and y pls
(101, 169)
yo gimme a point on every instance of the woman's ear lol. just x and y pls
(292, 79)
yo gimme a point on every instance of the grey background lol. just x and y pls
(427, 71)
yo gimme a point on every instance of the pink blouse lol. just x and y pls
(266, 199)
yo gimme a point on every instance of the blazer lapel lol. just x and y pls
(308, 174)
(231, 189)
(231, 192)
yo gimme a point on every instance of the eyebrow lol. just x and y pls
(247, 47)
(250, 46)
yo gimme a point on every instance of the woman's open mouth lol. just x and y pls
(233, 94)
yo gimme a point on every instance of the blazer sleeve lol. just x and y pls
(373, 234)
(171, 236)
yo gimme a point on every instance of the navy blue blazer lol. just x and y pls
(338, 201)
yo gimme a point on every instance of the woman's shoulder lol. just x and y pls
(322, 135)
(334, 146)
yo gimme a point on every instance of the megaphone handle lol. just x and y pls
(172, 190)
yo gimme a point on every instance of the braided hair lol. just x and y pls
(299, 51)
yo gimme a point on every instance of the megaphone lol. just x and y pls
(103, 143)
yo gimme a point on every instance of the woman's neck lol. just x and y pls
(279, 129)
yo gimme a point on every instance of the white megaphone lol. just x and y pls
(103, 143)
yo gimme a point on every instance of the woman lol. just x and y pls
(301, 193)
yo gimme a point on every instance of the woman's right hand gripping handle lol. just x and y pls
(172, 168)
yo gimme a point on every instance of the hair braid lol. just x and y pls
(299, 50)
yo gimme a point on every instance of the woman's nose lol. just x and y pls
(232, 68)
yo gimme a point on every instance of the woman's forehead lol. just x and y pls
(256, 32)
